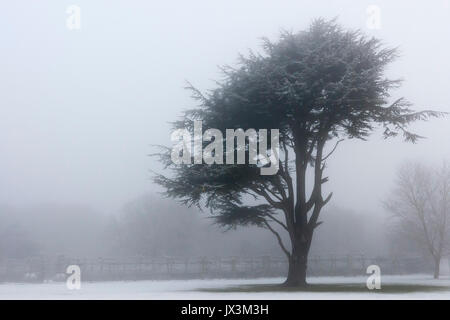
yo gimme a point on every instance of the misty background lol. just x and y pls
(80, 111)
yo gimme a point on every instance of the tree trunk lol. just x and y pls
(437, 264)
(297, 267)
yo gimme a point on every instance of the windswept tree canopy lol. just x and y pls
(324, 84)
(314, 86)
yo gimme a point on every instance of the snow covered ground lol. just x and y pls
(193, 289)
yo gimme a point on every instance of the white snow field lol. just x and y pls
(194, 289)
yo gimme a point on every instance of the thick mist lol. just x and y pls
(81, 110)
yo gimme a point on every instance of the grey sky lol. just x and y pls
(80, 109)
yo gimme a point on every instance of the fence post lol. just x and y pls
(349, 264)
(204, 265)
(186, 266)
(333, 265)
(233, 264)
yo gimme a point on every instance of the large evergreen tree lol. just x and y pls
(317, 87)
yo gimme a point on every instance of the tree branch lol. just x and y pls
(331, 152)
(277, 221)
(263, 193)
(280, 241)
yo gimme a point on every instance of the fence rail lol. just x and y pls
(139, 268)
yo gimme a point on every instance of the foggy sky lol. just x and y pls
(81, 109)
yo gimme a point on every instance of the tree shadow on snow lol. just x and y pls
(330, 288)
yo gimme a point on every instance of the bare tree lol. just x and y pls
(420, 204)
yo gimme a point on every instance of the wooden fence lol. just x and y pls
(139, 268)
